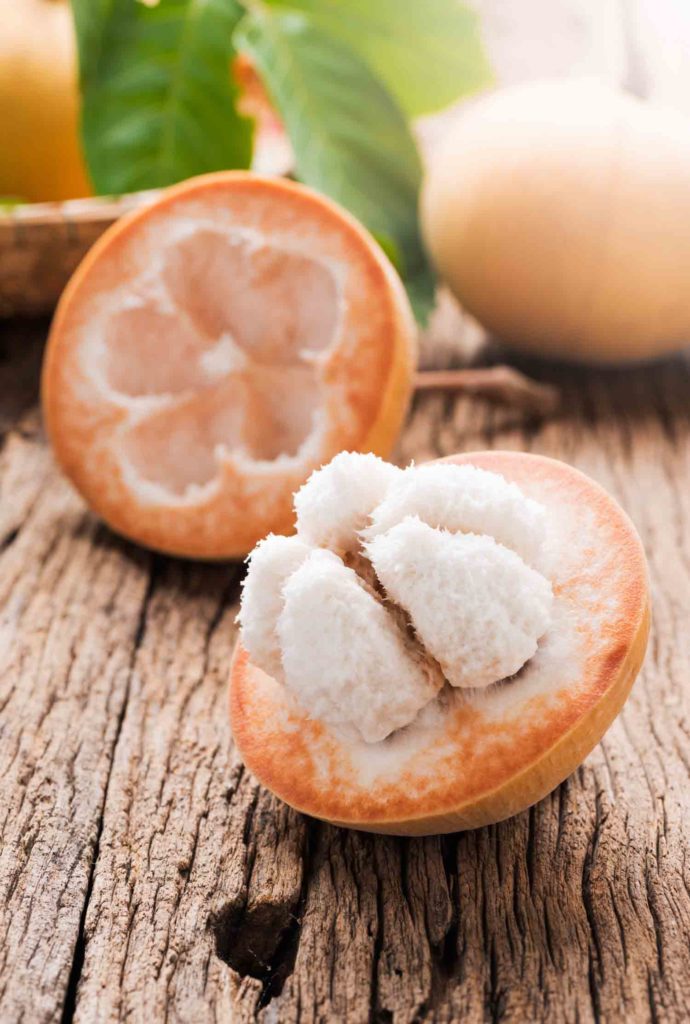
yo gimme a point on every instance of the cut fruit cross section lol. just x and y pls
(216, 347)
(341, 726)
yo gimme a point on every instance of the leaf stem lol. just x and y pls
(501, 384)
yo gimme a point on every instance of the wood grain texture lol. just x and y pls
(144, 875)
(71, 600)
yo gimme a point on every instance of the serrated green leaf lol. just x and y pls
(428, 52)
(158, 98)
(350, 138)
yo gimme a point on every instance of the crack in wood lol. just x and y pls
(443, 944)
(261, 942)
(9, 539)
(79, 954)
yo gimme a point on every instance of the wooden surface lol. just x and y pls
(143, 874)
(41, 245)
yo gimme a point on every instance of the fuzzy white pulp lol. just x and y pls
(457, 550)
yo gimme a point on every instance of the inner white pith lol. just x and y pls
(397, 584)
(216, 350)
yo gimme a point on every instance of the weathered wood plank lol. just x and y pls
(210, 898)
(70, 603)
(172, 853)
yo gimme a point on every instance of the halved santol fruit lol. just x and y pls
(214, 348)
(443, 646)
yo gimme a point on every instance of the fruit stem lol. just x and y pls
(501, 384)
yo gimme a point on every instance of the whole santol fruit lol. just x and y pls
(214, 348)
(559, 214)
(436, 648)
(40, 153)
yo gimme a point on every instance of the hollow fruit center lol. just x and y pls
(229, 334)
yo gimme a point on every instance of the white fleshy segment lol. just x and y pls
(465, 499)
(475, 605)
(271, 562)
(343, 657)
(223, 357)
(337, 500)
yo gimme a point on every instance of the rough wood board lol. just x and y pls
(143, 874)
(71, 600)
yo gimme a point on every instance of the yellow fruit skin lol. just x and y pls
(559, 214)
(40, 152)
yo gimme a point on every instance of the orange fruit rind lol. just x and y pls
(396, 759)
(212, 349)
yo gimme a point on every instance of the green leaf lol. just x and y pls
(428, 52)
(158, 98)
(350, 138)
(90, 21)
(391, 250)
(421, 291)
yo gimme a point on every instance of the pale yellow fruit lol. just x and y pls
(40, 152)
(559, 214)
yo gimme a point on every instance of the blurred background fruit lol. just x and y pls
(40, 154)
(559, 214)
(130, 96)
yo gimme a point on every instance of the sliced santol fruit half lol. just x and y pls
(213, 349)
(443, 645)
